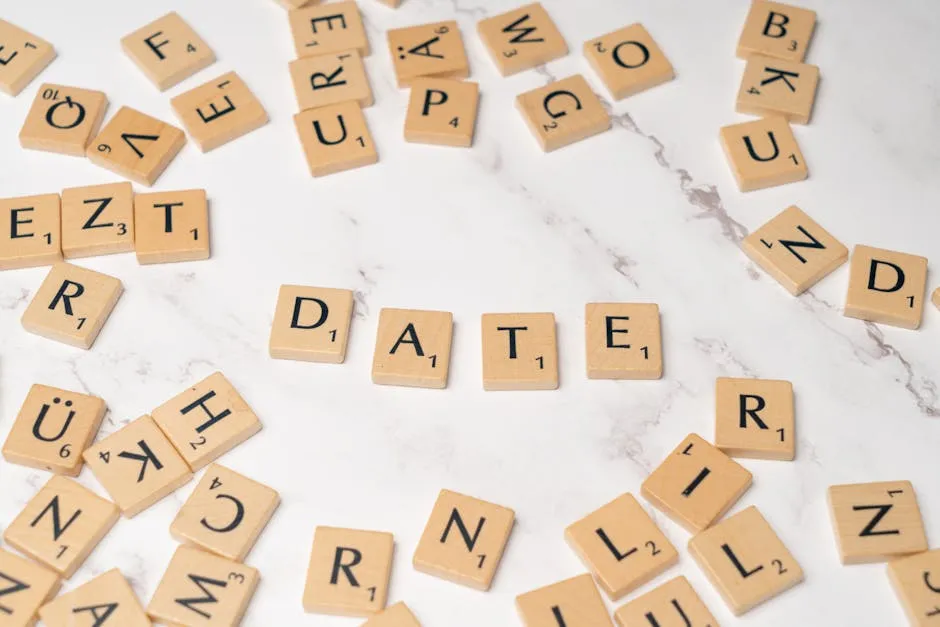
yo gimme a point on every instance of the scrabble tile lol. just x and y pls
(219, 111)
(886, 286)
(167, 51)
(778, 87)
(696, 484)
(397, 615)
(63, 119)
(520, 352)
(795, 250)
(442, 111)
(522, 39)
(136, 146)
(914, 580)
(562, 603)
(328, 28)
(754, 418)
(335, 138)
(207, 420)
(52, 429)
(296, 4)
(936, 298)
(137, 465)
(97, 220)
(225, 514)
(199, 588)
(673, 604)
(623, 341)
(72, 305)
(622, 546)
(33, 236)
(464, 540)
(61, 525)
(171, 226)
(348, 572)
(413, 348)
(106, 600)
(311, 324)
(628, 61)
(394, 4)
(428, 51)
(776, 30)
(24, 587)
(763, 153)
(876, 522)
(745, 560)
(23, 57)
(330, 79)
(563, 112)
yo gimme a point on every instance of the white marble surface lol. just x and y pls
(647, 211)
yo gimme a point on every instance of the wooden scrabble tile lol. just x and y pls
(673, 604)
(335, 138)
(397, 615)
(22, 57)
(219, 111)
(24, 587)
(61, 525)
(886, 286)
(412, 348)
(876, 522)
(623, 341)
(168, 50)
(106, 600)
(225, 514)
(296, 4)
(97, 220)
(520, 352)
(696, 484)
(137, 465)
(755, 418)
(795, 250)
(430, 51)
(33, 236)
(348, 572)
(207, 420)
(622, 546)
(569, 602)
(311, 324)
(464, 540)
(563, 112)
(778, 87)
(330, 79)
(199, 588)
(763, 153)
(328, 28)
(394, 4)
(442, 111)
(522, 39)
(628, 61)
(936, 298)
(72, 305)
(171, 226)
(136, 146)
(63, 119)
(52, 429)
(914, 580)
(776, 30)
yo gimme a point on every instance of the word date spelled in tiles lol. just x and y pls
(136, 146)
(776, 30)
(886, 286)
(25, 586)
(623, 341)
(442, 111)
(413, 348)
(311, 324)
(520, 352)
(335, 138)
(63, 119)
(628, 61)
(397, 615)
(763, 153)
(219, 111)
(574, 601)
(23, 57)
(915, 581)
(30, 234)
(167, 51)
(755, 418)
(673, 604)
(330, 79)
(778, 87)
(328, 28)
(171, 226)
(563, 112)
(430, 50)
(522, 39)
(106, 600)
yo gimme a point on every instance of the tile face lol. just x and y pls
(335, 138)
(696, 484)
(219, 111)
(563, 112)
(763, 153)
(330, 79)
(628, 61)
(522, 39)
(755, 418)
(25, 586)
(63, 119)
(776, 30)
(412, 348)
(328, 29)
(887, 287)
(348, 572)
(442, 111)
(30, 232)
(311, 324)
(136, 146)
(430, 50)
(520, 352)
(623, 341)
(745, 560)
(397, 615)
(778, 87)
(573, 602)
(24, 56)
(464, 540)
(936, 298)
(97, 220)
(673, 604)
(622, 546)
(167, 51)
(914, 580)
(171, 226)
(52, 429)
(105, 601)
(795, 250)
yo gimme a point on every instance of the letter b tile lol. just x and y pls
(776, 30)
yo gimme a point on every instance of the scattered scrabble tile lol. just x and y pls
(876, 522)
(97, 220)
(673, 604)
(225, 514)
(137, 465)
(168, 51)
(33, 237)
(72, 305)
(886, 286)
(795, 250)
(522, 39)
(776, 30)
(464, 540)
(914, 580)
(622, 546)
(696, 484)
(442, 111)
(397, 615)
(311, 324)
(61, 525)
(171, 226)
(63, 119)
(23, 57)
(413, 348)
(328, 28)
(574, 599)
(24, 587)
(623, 341)
(207, 420)
(763, 153)
(335, 138)
(778, 87)
(136, 146)
(348, 572)
(755, 418)
(106, 600)
(936, 298)
(430, 51)
(52, 429)
(563, 112)
(219, 111)
(330, 79)
(520, 352)
(628, 61)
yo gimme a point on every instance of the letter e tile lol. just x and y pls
(328, 29)
(30, 231)
(623, 341)
(219, 111)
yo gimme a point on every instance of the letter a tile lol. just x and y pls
(442, 111)
(628, 61)
(172, 226)
(520, 352)
(522, 39)
(311, 324)
(763, 153)
(887, 287)
(563, 112)
(754, 418)
(335, 138)
(915, 581)
(24, 56)
(136, 146)
(30, 232)
(776, 30)
(25, 586)
(63, 119)
(397, 615)
(328, 29)
(219, 111)
(413, 348)
(623, 341)
(107, 600)
(778, 87)
(97, 220)
(168, 51)
(430, 50)
(673, 604)
(573, 602)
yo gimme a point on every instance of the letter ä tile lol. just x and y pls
(25, 55)
(328, 29)
(30, 232)
(398, 615)
(97, 220)
(330, 79)
(167, 51)
(107, 600)
(673, 603)
(520, 352)
(311, 324)
(219, 111)
(522, 39)
(563, 112)
(172, 226)
(916, 581)
(335, 138)
(430, 50)
(412, 348)
(562, 603)
(776, 30)
(887, 287)
(763, 153)
(755, 418)
(26, 586)
(63, 119)
(136, 146)
(628, 61)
